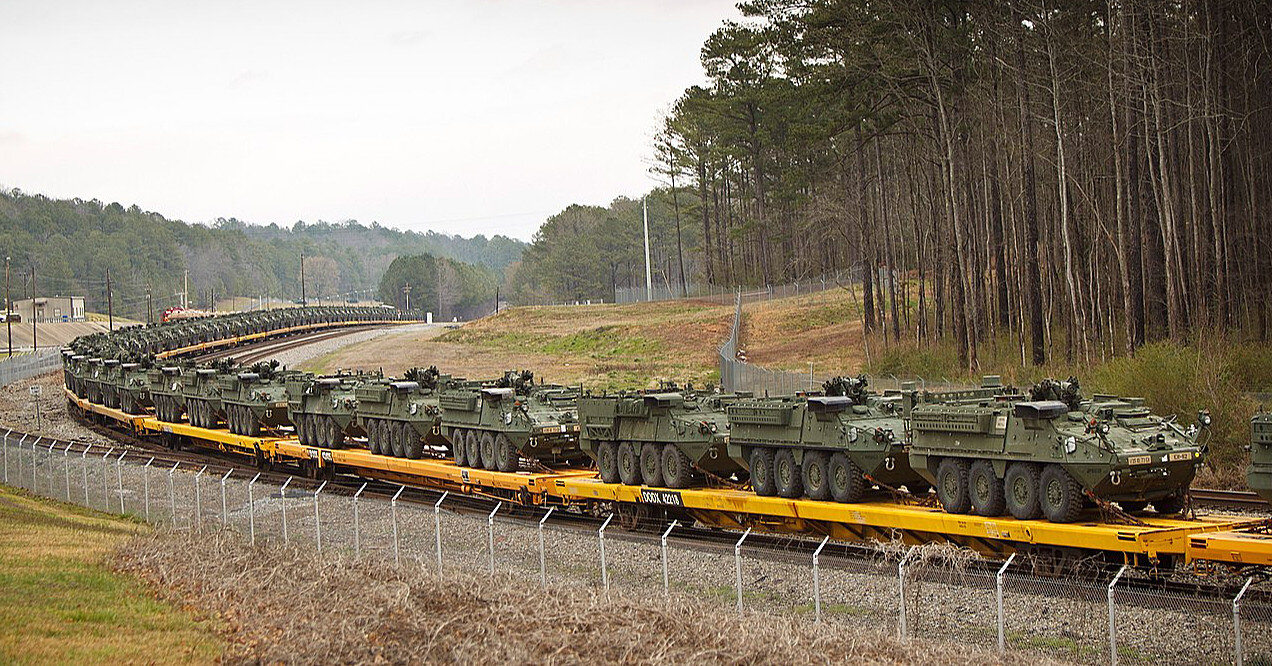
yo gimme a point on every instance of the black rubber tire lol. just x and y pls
(847, 483)
(253, 427)
(986, 490)
(1060, 495)
(607, 461)
(507, 459)
(488, 451)
(473, 446)
(383, 435)
(298, 425)
(816, 475)
(651, 464)
(1021, 485)
(335, 436)
(677, 468)
(1173, 503)
(373, 435)
(951, 486)
(762, 480)
(412, 444)
(398, 430)
(787, 474)
(459, 447)
(628, 463)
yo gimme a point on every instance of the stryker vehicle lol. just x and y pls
(134, 389)
(1260, 474)
(77, 368)
(323, 409)
(109, 381)
(201, 391)
(1044, 455)
(402, 417)
(658, 438)
(166, 392)
(510, 419)
(91, 379)
(835, 445)
(256, 399)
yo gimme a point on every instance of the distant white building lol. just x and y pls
(48, 309)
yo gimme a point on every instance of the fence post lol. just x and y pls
(282, 498)
(1112, 623)
(397, 559)
(817, 581)
(317, 521)
(490, 523)
(737, 565)
(543, 558)
(119, 480)
(225, 512)
(105, 482)
(666, 578)
(251, 508)
(1002, 620)
(902, 630)
(172, 493)
(6, 456)
(66, 468)
(145, 479)
(84, 470)
(604, 572)
(34, 481)
(1236, 622)
(357, 524)
(20, 443)
(437, 528)
(198, 499)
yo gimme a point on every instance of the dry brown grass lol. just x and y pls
(283, 605)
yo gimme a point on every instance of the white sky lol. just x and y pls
(462, 117)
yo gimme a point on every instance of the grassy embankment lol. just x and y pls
(61, 601)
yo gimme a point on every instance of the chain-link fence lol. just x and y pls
(1127, 620)
(29, 364)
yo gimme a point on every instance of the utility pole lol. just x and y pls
(185, 291)
(150, 307)
(35, 344)
(8, 305)
(496, 299)
(303, 302)
(110, 302)
(649, 275)
(407, 290)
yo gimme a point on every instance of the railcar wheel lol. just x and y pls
(985, 489)
(951, 486)
(1171, 504)
(762, 472)
(506, 456)
(473, 447)
(787, 474)
(607, 461)
(1061, 496)
(459, 447)
(488, 451)
(677, 469)
(629, 463)
(816, 476)
(847, 484)
(651, 464)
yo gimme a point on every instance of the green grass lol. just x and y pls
(600, 342)
(61, 602)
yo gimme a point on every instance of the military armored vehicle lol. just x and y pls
(134, 389)
(1260, 474)
(401, 417)
(510, 419)
(256, 398)
(77, 368)
(657, 438)
(323, 409)
(831, 445)
(1044, 454)
(201, 392)
(166, 392)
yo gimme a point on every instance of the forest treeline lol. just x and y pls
(445, 287)
(1077, 176)
(72, 243)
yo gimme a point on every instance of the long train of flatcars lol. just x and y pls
(1045, 452)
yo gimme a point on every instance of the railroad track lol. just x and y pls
(252, 353)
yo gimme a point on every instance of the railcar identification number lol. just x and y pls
(667, 497)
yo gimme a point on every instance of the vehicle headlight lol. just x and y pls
(1070, 444)
(852, 434)
(1104, 428)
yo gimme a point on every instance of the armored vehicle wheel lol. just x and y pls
(762, 472)
(787, 475)
(847, 484)
(506, 457)
(397, 439)
(1020, 485)
(472, 446)
(412, 445)
(816, 476)
(1060, 496)
(951, 486)
(628, 463)
(386, 438)
(1133, 506)
(607, 461)
(311, 429)
(677, 469)
(299, 422)
(1171, 504)
(488, 451)
(328, 431)
(373, 444)
(336, 439)
(231, 418)
(651, 464)
(458, 444)
(985, 489)
(253, 426)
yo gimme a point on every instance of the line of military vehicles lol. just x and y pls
(1042, 452)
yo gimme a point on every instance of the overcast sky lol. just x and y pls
(462, 117)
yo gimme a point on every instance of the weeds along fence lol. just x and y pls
(27, 365)
(930, 592)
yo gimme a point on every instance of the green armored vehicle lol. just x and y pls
(1260, 475)
(256, 399)
(166, 392)
(1045, 455)
(134, 389)
(401, 417)
(201, 392)
(662, 438)
(513, 418)
(323, 409)
(109, 382)
(828, 446)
